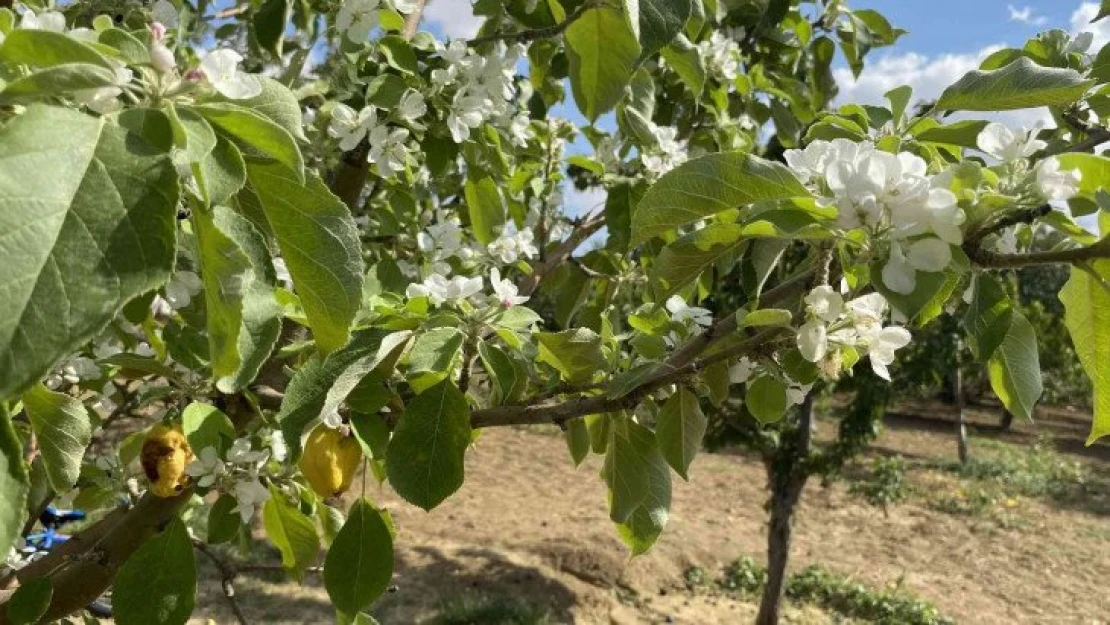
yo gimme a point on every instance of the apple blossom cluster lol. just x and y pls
(388, 144)
(241, 469)
(484, 89)
(834, 326)
(721, 54)
(892, 197)
(1014, 149)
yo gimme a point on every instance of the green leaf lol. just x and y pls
(766, 317)
(647, 521)
(133, 51)
(152, 125)
(204, 426)
(292, 532)
(656, 22)
(603, 52)
(1015, 368)
(257, 132)
(963, 133)
(223, 520)
(683, 57)
(71, 258)
(502, 371)
(30, 601)
(619, 202)
(682, 261)
(323, 382)
(269, 24)
(433, 356)
(399, 54)
(57, 80)
(221, 173)
(1100, 67)
(63, 429)
(485, 207)
(425, 459)
(359, 564)
(1103, 11)
(43, 48)
(1086, 301)
(13, 483)
(639, 485)
(1094, 171)
(899, 98)
(244, 318)
(680, 430)
(766, 399)
(192, 135)
(157, 585)
(988, 317)
(708, 185)
(574, 353)
(276, 103)
(1020, 85)
(319, 241)
(578, 440)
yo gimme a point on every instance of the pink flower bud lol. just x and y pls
(157, 31)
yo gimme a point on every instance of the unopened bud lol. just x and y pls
(161, 58)
(157, 32)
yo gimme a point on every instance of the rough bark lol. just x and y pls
(787, 472)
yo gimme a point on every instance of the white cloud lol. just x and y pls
(1025, 15)
(1081, 21)
(928, 76)
(454, 17)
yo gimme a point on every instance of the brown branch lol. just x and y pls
(524, 36)
(564, 411)
(228, 573)
(412, 21)
(1097, 136)
(994, 260)
(584, 230)
(83, 567)
(1010, 219)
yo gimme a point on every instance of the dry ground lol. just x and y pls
(529, 526)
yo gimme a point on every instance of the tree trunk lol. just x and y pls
(961, 426)
(787, 473)
(1006, 421)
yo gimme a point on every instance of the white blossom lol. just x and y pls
(1055, 184)
(351, 127)
(412, 106)
(824, 303)
(221, 68)
(681, 312)
(104, 99)
(387, 149)
(1006, 145)
(466, 113)
(882, 346)
(667, 153)
(440, 290)
(507, 294)
(510, 247)
(249, 494)
(741, 371)
(207, 467)
(242, 452)
(356, 18)
(181, 288)
(44, 20)
(813, 340)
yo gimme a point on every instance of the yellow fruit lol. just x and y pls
(164, 456)
(330, 460)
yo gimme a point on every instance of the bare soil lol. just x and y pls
(527, 525)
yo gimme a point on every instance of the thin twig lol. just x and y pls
(228, 573)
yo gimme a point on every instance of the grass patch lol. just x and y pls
(885, 484)
(483, 610)
(831, 592)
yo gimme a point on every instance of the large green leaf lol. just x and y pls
(55, 81)
(708, 185)
(319, 241)
(359, 564)
(574, 353)
(1086, 301)
(1020, 85)
(205, 425)
(682, 261)
(766, 399)
(1015, 368)
(243, 315)
(63, 429)
(13, 483)
(87, 222)
(425, 459)
(485, 208)
(656, 22)
(603, 53)
(43, 48)
(257, 132)
(292, 532)
(680, 429)
(278, 104)
(639, 485)
(435, 351)
(323, 382)
(269, 22)
(157, 585)
(685, 59)
(988, 316)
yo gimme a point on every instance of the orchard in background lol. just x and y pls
(304, 239)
